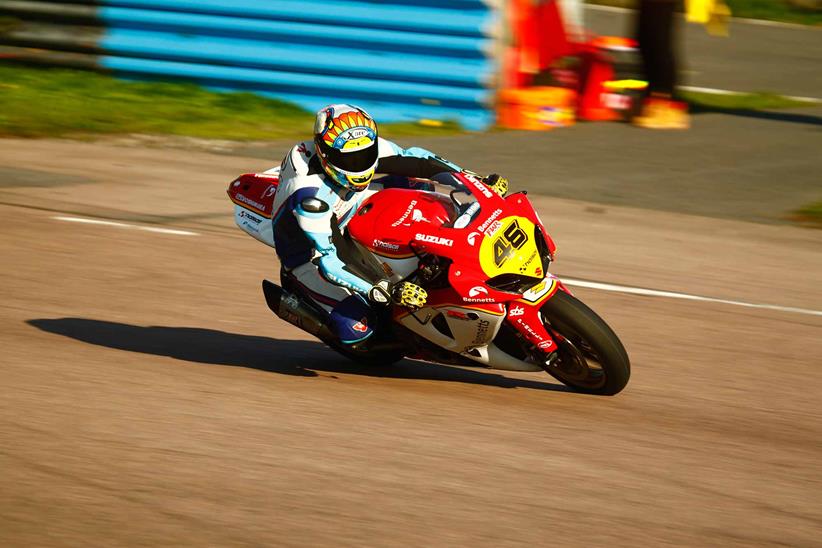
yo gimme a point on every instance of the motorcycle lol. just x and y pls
(483, 260)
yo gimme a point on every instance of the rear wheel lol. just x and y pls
(590, 357)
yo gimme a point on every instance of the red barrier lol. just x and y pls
(543, 53)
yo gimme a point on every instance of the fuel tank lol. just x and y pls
(390, 220)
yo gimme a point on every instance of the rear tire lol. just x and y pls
(591, 358)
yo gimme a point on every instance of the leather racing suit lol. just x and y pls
(305, 207)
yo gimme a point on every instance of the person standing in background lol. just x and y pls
(656, 32)
(656, 29)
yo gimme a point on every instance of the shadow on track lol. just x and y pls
(287, 357)
(771, 115)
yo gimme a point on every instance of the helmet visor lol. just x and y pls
(355, 161)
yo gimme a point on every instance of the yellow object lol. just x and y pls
(412, 295)
(619, 85)
(536, 108)
(663, 114)
(500, 186)
(509, 248)
(714, 14)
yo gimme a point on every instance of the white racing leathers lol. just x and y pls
(304, 206)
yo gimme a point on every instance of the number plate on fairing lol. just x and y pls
(509, 248)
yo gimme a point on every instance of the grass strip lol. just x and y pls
(742, 101)
(58, 102)
(811, 215)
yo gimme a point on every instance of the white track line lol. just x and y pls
(612, 9)
(715, 91)
(126, 225)
(685, 296)
(569, 281)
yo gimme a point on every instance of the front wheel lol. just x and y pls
(590, 357)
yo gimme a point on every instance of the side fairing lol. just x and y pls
(459, 329)
(253, 196)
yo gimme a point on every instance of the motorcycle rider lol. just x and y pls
(322, 183)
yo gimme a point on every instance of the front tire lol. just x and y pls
(590, 358)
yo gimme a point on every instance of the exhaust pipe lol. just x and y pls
(295, 311)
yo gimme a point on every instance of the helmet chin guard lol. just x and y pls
(346, 139)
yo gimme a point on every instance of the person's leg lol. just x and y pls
(656, 35)
(348, 314)
(663, 42)
(313, 286)
(350, 321)
(643, 32)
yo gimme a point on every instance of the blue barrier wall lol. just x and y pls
(402, 60)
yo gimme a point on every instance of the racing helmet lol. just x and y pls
(346, 139)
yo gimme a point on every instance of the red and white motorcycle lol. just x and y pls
(482, 258)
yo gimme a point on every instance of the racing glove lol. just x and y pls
(497, 183)
(404, 294)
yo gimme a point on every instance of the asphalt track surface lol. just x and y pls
(756, 56)
(757, 166)
(150, 398)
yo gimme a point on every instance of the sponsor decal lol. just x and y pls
(348, 131)
(251, 202)
(530, 330)
(471, 176)
(361, 326)
(417, 217)
(474, 300)
(250, 227)
(516, 311)
(355, 138)
(385, 245)
(482, 331)
(472, 238)
(527, 263)
(477, 290)
(466, 217)
(479, 185)
(337, 280)
(538, 271)
(494, 228)
(537, 288)
(539, 291)
(431, 239)
(304, 150)
(405, 215)
(341, 208)
(484, 226)
(545, 345)
(250, 217)
(270, 191)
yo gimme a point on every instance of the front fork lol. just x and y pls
(523, 314)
